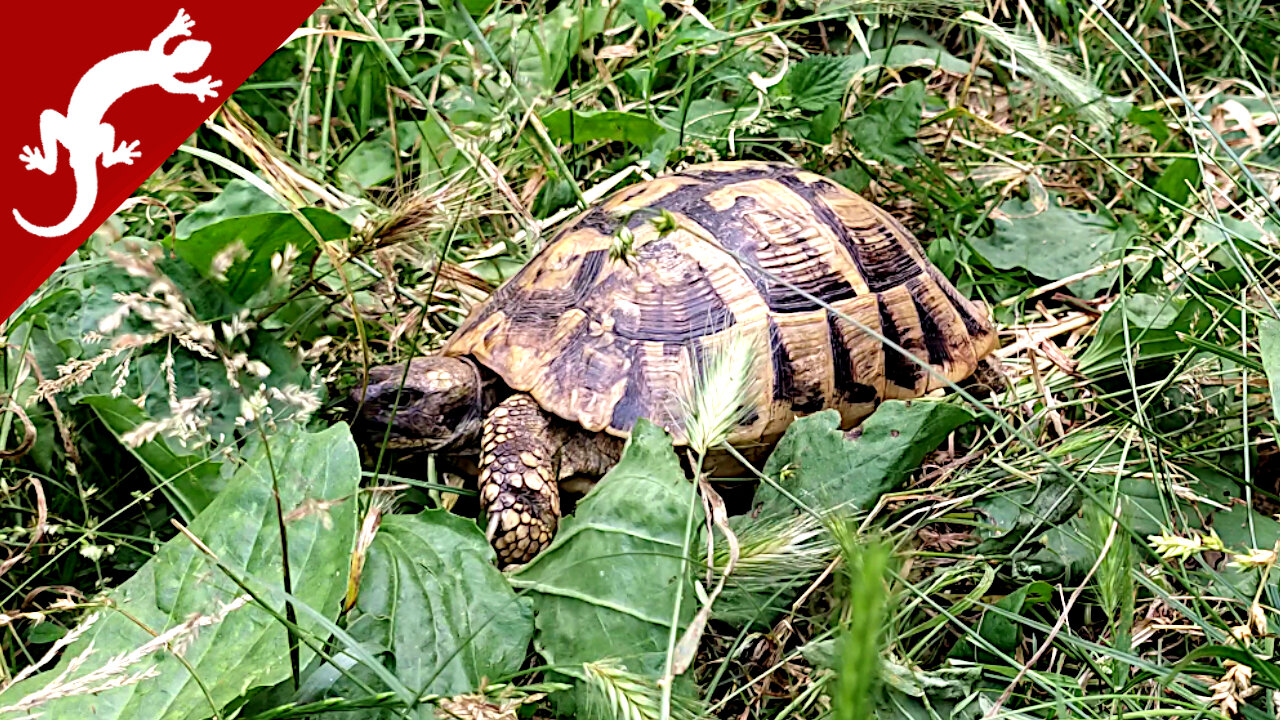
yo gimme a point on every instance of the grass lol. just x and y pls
(1099, 543)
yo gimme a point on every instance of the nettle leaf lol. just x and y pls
(887, 130)
(1054, 242)
(828, 473)
(1269, 339)
(251, 241)
(825, 471)
(819, 81)
(316, 474)
(582, 127)
(605, 588)
(431, 599)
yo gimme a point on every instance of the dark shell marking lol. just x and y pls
(759, 248)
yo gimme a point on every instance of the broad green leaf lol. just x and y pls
(819, 81)
(1179, 179)
(1017, 517)
(434, 603)
(317, 475)
(190, 476)
(252, 240)
(705, 119)
(887, 129)
(1251, 239)
(589, 126)
(238, 198)
(374, 162)
(1054, 242)
(605, 588)
(947, 693)
(1269, 339)
(824, 470)
(1153, 326)
(817, 465)
(903, 56)
(1153, 121)
(1004, 632)
(648, 13)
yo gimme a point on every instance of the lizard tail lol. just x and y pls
(86, 197)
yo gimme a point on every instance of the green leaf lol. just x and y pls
(1251, 239)
(819, 81)
(944, 694)
(1018, 517)
(826, 471)
(1152, 121)
(260, 236)
(1177, 180)
(1153, 325)
(317, 475)
(192, 477)
(1004, 632)
(648, 13)
(824, 124)
(1053, 242)
(374, 162)
(1269, 339)
(605, 588)
(238, 198)
(887, 129)
(904, 56)
(590, 126)
(433, 602)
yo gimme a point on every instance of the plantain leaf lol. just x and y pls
(1054, 242)
(434, 603)
(249, 242)
(316, 474)
(827, 471)
(1269, 339)
(192, 477)
(577, 126)
(605, 587)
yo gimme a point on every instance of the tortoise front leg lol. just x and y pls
(518, 486)
(525, 453)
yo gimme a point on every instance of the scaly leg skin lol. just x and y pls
(45, 158)
(525, 452)
(518, 479)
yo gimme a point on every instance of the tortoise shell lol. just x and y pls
(602, 340)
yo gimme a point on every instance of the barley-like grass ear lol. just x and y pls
(613, 693)
(720, 395)
(1046, 65)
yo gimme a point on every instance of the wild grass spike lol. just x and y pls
(721, 393)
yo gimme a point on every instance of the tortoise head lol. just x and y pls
(436, 406)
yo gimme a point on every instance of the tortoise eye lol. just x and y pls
(404, 397)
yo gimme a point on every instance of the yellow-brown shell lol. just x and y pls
(602, 340)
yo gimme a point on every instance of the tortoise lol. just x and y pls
(551, 372)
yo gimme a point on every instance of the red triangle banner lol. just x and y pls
(102, 95)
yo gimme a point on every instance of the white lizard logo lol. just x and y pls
(84, 134)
